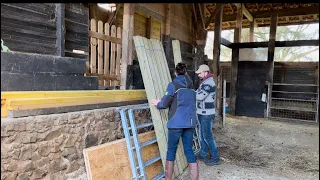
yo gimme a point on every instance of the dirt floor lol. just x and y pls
(254, 149)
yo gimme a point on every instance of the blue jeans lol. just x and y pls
(187, 141)
(207, 141)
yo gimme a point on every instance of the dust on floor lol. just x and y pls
(254, 149)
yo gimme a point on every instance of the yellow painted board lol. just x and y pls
(32, 103)
(74, 93)
(111, 161)
(4, 112)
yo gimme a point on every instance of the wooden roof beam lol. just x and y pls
(244, 11)
(211, 18)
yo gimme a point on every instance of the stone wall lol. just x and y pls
(51, 146)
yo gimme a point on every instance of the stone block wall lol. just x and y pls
(51, 146)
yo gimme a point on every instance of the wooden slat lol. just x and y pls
(93, 66)
(119, 33)
(60, 14)
(117, 153)
(106, 54)
(100, 51)
(113, 53)
(176, 52)
(104, 37)
(105, 77)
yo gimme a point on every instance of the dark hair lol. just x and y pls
(181, 69)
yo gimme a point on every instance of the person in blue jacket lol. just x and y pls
(180, 98)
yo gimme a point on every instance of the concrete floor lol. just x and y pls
(254, 149)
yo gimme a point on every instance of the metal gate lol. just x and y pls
(293, 101)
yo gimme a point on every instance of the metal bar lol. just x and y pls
(147, 143)
(294, 99)
(224, 103)
(292, 119)
(292, 109)
(136, 143)
(295, 84)
(146, 106)
(159, 176)
(151, 161)
(317, 114)
(293, 92)
(269, 100)
(128, 143)
(145, 125)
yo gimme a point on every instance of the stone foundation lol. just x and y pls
(51, 146)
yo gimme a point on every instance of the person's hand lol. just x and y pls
(154, 102)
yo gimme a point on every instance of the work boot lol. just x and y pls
(168, 170)
(194, 171)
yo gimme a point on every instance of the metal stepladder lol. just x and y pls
(134, 149)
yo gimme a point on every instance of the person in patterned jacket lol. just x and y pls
(206, 113)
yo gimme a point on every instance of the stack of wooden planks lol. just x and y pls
(26, 100)
(156, 77)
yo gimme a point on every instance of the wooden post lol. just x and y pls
(252, 26)
(224, 103)
(235, 60)
(127, 42)
(271, 46)
(167, 38)
(60, 34)
(216, 57)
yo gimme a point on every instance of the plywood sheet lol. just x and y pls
(111, 161)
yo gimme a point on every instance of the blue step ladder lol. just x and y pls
(134, 149)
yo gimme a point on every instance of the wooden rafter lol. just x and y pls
(231, 8)
(244, 11)
(211, 18)
(114, 14)
(201, 16)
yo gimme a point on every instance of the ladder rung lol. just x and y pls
(153, 160)
(144, 125)
(148, 142)
(159, 176)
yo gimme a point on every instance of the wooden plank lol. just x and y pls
(113, 54)
(105, 77)
(100, 51)
(117, 153)
(75, 93)
(176, 52)
(234, 62)
(149, 27)
(127, 49)
(60, 43)
(106, 54)
(118, 55)
(93, 60)
(105, 37)
(277, 44)
(226, 42)
(271, 47)
(202, 16)
(211, 18)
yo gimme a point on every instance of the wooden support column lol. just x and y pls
(271, 46)
(216, 57)
(235, 60)
(127, 42)
(252, 26)
(167, 39)
(60, 34)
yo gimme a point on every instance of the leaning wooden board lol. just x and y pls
(176, 51)
(111, 161)
(156, 76)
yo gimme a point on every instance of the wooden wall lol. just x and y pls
(31, 27)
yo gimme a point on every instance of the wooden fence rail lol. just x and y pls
(105, 53)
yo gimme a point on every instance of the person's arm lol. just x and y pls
(166, 100)
(204, 90)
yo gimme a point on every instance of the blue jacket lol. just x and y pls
(180, 98)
